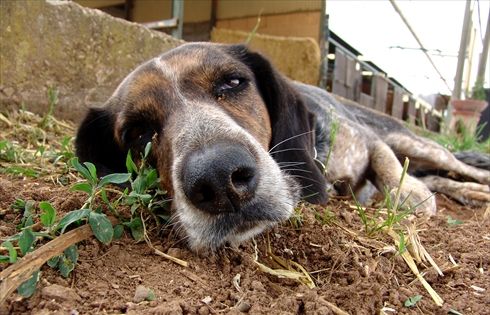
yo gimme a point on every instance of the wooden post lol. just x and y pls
(380, 91)
(397, 107)
(412, 111)
(353, 79)
(366, 100)
(338, 86)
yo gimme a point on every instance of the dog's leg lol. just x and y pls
(466, 193)
(386, 170)
(428, 154)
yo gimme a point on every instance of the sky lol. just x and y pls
(373, 26)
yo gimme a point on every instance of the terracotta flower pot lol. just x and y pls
(468, 112)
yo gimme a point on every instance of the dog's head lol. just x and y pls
(231, 139)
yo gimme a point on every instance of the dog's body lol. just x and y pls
(237, 145)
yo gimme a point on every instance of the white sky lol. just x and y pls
(372, 27)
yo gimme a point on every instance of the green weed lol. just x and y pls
(478, 90)
(8, 152)
(297, 219)
(52, 102)
(254, 30)
(413, 300)
(145, 194)
(463, 140)
(390, 213)
(325, 217)
(27, 238)
(451, 221)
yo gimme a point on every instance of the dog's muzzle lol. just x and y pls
(221, 178)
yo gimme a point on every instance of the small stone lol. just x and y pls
(207, 300)
(60, 293)
(142, 293)
(8, 91)
(203, 310)
(243, 306)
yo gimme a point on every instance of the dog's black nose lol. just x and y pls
(220, 178)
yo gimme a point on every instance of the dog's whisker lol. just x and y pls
(171, 224)
(306, 178)
(180, 240)
(295, 170)
(286, 150)
(288, 164)
(290, 138)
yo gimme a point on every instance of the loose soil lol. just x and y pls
(352, 271)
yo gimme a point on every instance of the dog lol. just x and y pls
(237, 145)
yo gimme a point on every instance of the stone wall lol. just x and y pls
(83, 53)
(296, 57)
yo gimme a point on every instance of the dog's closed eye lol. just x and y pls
(230, 84)
(136, 135)
(133, 134)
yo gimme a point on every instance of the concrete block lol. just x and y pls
(84, 53)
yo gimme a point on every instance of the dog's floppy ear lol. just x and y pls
(95, 142)
(292, 125)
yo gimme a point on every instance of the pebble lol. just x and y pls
(60, 293)
(141, 294)
(243, 306)
(203, 310)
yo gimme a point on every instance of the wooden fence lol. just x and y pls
(378, 92)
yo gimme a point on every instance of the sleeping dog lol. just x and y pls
(237, 144)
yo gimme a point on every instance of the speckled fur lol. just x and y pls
(369, 146)
(172, 101)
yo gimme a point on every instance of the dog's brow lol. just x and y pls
(171, 72)
(167, 69)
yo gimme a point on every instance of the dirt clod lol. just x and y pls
(60, 294)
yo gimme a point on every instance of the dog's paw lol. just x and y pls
(471, 194)
(416, 196)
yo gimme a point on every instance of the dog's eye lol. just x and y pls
(132, 134)
(137, 136)
(230, 84)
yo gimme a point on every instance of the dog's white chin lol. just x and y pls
(237, 238)
(208, 233)
(234, 239)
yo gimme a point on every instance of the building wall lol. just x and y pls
(296, 57)
(297, 24)
(251, 8)
(154, 10)
(300, 18)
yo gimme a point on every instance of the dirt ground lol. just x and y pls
(352, 271)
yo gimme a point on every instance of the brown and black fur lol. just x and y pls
(236, 144)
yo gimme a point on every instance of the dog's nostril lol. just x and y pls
(243, 180)
(204, 193)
